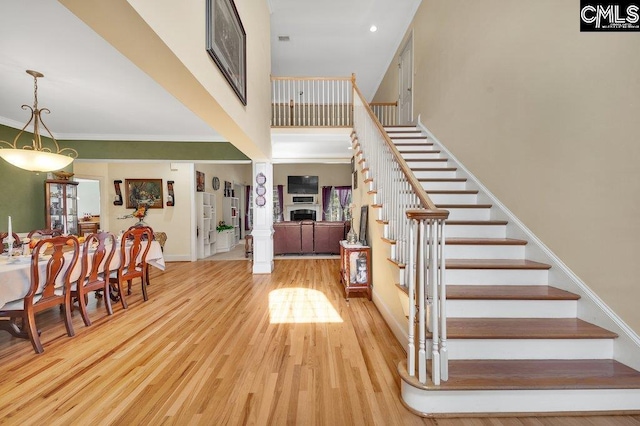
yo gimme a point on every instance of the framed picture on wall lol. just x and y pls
(143, 191)
(199, 181)
(226, 44)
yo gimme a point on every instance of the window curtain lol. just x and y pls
(281, 202)
(326, 196)
(344, 194)
(247, 208)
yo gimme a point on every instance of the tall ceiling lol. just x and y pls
(95, 93)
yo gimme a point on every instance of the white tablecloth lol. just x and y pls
(15, 277)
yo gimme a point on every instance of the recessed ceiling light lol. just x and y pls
(373, 28)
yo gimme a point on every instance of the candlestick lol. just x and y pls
(10, 238)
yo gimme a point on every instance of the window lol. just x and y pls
(336, 210)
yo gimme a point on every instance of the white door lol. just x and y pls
(405, 84)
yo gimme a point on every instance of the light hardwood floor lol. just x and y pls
(216, 345)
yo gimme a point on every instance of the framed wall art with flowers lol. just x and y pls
(143, 192)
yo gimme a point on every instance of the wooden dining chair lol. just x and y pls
(44, 233)
(16, 240)
(49, 286)
(94, 275)
(134, 247)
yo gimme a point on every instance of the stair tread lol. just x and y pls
(525, 328)
(495, 264)
(408, 160)
(434, 169)
(442, 179)
(464, 206)
(508, 292)
(433, 151)
(485, 241)
(452, 191)
(476, 222)
(404, 141)
(539, 374)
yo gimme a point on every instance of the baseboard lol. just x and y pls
(398, 330)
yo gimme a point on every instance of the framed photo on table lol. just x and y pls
(143, 191)
(226, 44)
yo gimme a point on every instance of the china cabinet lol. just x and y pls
(61, 204)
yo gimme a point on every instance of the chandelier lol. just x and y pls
(36, 157)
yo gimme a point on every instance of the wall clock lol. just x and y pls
(215, 183)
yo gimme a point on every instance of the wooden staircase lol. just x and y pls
(515, 343)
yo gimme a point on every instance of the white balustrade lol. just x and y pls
(416, 227)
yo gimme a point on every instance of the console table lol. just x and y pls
(355, 268)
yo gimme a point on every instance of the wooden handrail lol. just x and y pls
(413, 181)
(312, 78)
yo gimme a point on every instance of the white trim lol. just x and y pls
(122, 160)
(518, 401)
(127, 137)
(591, 306)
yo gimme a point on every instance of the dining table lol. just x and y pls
(15, 273)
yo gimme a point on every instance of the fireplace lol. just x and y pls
(302, 214)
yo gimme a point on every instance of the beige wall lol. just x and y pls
(175, 221)
(546, 117)
(166, 39)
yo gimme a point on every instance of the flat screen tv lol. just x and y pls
(302, 184)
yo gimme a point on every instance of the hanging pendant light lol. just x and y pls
(36, 157)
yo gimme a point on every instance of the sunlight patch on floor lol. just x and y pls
(301, 305)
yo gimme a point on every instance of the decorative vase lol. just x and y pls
(352, 237)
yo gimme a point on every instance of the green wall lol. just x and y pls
(22, 192)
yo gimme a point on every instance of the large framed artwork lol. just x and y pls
(226, 44)
(143, 191)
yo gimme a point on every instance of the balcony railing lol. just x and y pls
(386, 112)
(312, 101)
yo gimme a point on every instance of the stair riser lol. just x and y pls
(469, 214)
(432, 174)
(443, 185)
(511, 308)
(476, 231)
(422, 155)
(519, 401)
(497, 276)
(411, 148)
(428, 164)
(404, 134)
(454, 198)
(483, 252)
(530, 348)
(406, 128)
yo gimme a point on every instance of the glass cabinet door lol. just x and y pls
(61, 204)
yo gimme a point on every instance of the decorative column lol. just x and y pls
(262, 231)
